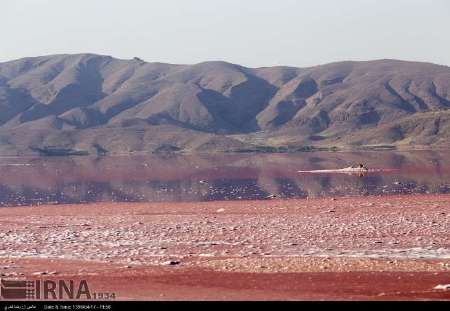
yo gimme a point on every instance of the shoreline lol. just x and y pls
(264, 150)
(357, 248)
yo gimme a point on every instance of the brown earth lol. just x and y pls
(100, 104)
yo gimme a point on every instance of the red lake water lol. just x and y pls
(60, 180)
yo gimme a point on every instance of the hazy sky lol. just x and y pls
(248, 32)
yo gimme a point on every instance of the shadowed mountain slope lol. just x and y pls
(98, 102)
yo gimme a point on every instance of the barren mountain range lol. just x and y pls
(99, 104)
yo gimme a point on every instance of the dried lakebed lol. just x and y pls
(395, 234)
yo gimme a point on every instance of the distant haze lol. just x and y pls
(252, 32)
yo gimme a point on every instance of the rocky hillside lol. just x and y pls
(100, 104)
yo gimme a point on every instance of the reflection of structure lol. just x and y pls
(348, 171)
